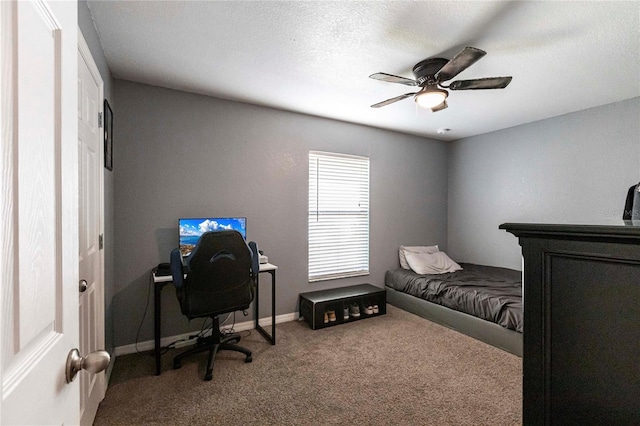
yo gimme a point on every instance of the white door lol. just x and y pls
(39, 214)
(92, 386)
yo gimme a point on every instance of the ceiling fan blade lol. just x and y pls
(440, 107)
(393, 79)
(481, 83)
(463, 60)
(392, 100)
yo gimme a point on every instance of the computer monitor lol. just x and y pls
(192, 228)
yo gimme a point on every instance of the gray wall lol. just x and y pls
(574, 168)
(85, 22)
(186, 155)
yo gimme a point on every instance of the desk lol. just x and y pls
(160, 281)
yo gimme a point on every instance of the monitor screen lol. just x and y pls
(192, 228)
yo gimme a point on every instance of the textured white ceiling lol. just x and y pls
(315, 57)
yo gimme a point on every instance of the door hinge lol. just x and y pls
(101, 241)
(99, 119)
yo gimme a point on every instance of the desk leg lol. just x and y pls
(157, 291)
(273, 307)
(271, 338)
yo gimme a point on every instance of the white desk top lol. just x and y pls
(264, 267)
(267, 267)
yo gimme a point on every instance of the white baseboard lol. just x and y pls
(149, 345)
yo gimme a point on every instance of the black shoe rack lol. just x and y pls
(315, 304)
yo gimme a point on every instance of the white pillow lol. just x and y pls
(414, 249)
(431, 263)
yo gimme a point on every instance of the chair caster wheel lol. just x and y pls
(249, 358)
(208, 377)
(176, 365)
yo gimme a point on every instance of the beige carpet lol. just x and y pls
(392, 369)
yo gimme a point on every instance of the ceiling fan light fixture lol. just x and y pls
(431, 97)
(431, 73)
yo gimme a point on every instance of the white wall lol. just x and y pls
(178, 154)
(574, 168)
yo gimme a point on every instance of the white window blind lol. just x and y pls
(338, 216)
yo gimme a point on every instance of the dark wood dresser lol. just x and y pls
(581, 361)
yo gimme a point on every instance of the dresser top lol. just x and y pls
(622, 229)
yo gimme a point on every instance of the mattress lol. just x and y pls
(490, 293)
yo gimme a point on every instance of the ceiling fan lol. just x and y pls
(432, 72)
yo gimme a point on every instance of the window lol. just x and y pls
(338, 216)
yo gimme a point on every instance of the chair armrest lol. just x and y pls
(255, 258)
(177, 271)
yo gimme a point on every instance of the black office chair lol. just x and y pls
(632, 204)
(221, 274)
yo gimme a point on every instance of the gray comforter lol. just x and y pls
(493, 294)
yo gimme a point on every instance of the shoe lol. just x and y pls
(346, 313)
(368, 310)
(326, 318)
(354, 310)
(332, 316)
(375, 309)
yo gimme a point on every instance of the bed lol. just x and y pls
(482, 302)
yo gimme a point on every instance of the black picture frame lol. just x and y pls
(108, 136)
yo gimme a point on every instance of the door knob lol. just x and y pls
(83, 286)
(95, 362)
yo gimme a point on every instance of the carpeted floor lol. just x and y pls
(392, 369)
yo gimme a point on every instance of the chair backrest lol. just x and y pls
(220, 276)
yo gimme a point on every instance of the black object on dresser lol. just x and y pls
(581, 360)
(354, 299)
